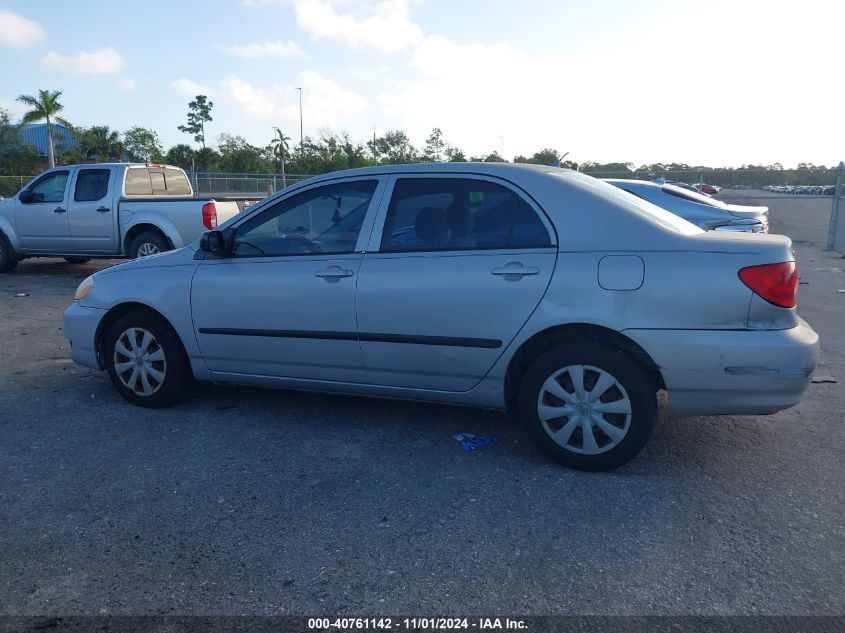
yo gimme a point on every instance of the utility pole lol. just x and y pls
(502, 147)
(374, 144)
(300, 120)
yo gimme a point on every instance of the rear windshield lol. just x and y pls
(637, 205)
(156, 181)
(692, 195)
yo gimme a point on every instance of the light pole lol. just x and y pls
(300, 120)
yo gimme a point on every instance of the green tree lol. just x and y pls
(16, 157)
(395, 147)
(100, 144)
(45, 106)
(434, 147)
(180, 155)
(454, 155)
(238, 156)
(142, 145)
(492, 157)
(199, 113)
(207, 159)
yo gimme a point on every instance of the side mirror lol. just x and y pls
(26, 196)
(216, 242)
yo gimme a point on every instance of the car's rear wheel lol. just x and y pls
(148, 243)
(8, 259)
(588, 405)
(146, 361)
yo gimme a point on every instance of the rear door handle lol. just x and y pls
(515, 270)
(59, 210)
(103, 209)
(333, 273)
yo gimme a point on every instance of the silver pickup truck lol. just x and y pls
(80, 212)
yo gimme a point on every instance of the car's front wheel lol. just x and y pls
(588, 405)
(146, 361)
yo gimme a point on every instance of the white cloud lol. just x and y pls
(191, 88)
(104, 61)
(127, 84)
(18, 31)
(385, 25)
(324, 102)
(283, 50)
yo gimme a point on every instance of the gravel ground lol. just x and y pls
(242, 501)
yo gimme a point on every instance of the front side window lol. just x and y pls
(91, 185)
(458, 214)
(321, 220)
(51, 188)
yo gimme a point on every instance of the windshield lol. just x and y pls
(692, 195)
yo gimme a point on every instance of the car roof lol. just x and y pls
(492, 169)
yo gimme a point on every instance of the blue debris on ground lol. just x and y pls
(470, 442)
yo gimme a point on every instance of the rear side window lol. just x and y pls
(91, 185)
(144, 181)
(459, 214)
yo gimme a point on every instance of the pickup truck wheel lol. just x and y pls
(77, 260)
(146, 244)
(146, 361)
(588, 405)
(8, 260)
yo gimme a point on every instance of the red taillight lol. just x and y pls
(776, 283)
(209, 215)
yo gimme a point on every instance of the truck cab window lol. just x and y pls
(91, 185)
(51, 188)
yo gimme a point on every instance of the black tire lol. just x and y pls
(175, 367)
(149, 240)
(8, 259)
(631, 382)
(77, 260)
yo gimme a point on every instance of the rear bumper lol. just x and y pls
(80, 328)
(710, 372)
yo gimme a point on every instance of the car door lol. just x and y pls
(91, 218)
(455, 271)
(283, 304)
(41, 214)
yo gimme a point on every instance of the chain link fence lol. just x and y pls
(836, 232)
(254, 185)
(242, 184)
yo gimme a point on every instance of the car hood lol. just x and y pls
(179, 257)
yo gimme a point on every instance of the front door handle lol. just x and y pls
(333, 273)
(513, 271)
(59, 210)
(103, 209)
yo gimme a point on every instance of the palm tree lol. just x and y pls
(45, 106)
(100, 144)
(280, 149)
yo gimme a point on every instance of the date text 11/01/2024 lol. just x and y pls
(433, 624)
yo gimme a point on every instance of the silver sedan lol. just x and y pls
(533, 289)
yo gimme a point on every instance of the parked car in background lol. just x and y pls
(105, 210)
(703, 211)
(533, 289)
(710, 190)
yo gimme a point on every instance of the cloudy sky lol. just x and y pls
(718, 82)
